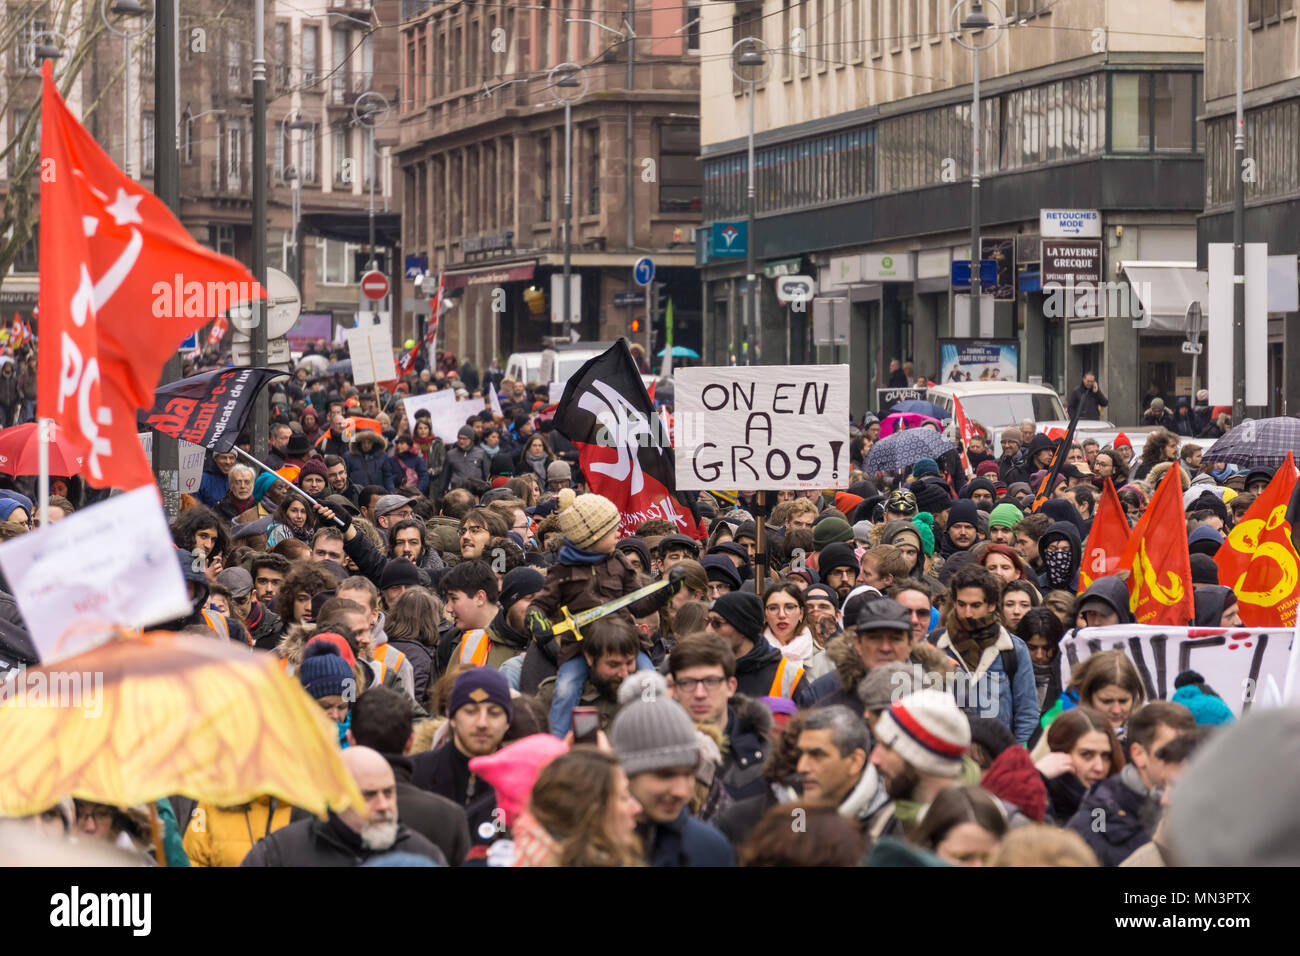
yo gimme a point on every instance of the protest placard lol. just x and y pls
(446, 415)
(767, 426)
(108, 566)
(371, 349)
(192, 457)
(1239, 663)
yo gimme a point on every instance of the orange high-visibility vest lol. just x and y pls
(784, 681)
(388, 656)
(474, 647)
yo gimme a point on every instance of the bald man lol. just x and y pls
(348, 839)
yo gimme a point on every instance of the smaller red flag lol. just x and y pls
(1258, 559)
(967, 432)
(1107, 539)
(1160, 582)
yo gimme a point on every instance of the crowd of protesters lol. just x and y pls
(886, 689)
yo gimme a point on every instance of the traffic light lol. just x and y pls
(634, 326)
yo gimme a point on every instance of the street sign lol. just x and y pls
(191, 344)
(557, 298)
(415, 265)
(961, 273)
(644, 271)
(1192, 348)
(374, 285)
(730, 240)
(795, 288)
(624, 299)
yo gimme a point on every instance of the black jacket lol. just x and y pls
(446, 772)
(1011, 470)
(685, 842)
(1087, 403)
(539, 664)
(737, 822)
(1121, 825)
(423, 666)
(757, 669)
(331, 842)
(268, 630)
(1070, 532)
(435, 818)
(748, 726)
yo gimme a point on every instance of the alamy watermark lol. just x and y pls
(1096, 300)
(63, 689)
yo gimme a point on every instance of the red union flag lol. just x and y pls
(1258, 558)
(122, 285)
(1160, 583)
(1107, 539)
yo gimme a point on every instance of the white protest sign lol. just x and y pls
(192, 457)
(107, 566)
(1237, 662)
(494, 400)
(762, 427)
(446, 415)
(371, 349)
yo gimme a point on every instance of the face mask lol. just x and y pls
(1058, 566)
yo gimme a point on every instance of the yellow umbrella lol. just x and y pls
(144, 717)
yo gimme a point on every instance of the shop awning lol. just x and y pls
(490, 275)
(1165, 290)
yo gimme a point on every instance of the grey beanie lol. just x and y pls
(1231, 807)
(652, 731)
(887, 683)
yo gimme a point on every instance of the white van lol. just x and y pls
(998, 405)
(565, 360)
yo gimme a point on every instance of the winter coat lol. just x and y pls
(213, 486)
(746, 734)
(756, 670)
(446, 772)
(539, 664)
(423, 667)
(581, 587)
(737, 822)
(331, 842)
(1011, 470)
(9, 391)
(223, 836)
(415, 462)
(1087, 403)
(840, 686)
(1064, 793)
(1016, 699)
(435, 818)
(471, 463)
(434, 453)
(1121, 825)
(264, 626)
(332, 444)
(685, 842)
(375, 467)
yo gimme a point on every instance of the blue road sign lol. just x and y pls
(961, 273)
(644, 271)
(415, 265)
(191, 344)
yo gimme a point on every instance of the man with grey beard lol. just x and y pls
(348, 839)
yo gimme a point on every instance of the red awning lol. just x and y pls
(489, 275)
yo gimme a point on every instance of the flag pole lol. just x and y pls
(43, 467)
(288, 484)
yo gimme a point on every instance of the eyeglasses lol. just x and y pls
(687, 685)
(715, 621)
(102, 816)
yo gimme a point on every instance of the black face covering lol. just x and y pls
(1059, 565)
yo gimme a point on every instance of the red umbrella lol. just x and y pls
(20, 451)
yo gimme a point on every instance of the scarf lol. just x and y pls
(241, 504)
(970, 638)
(1042, 680)
(570, 553)
(1059, 564)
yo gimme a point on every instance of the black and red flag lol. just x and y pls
(623, 447)
(208, 409)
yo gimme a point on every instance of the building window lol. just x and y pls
(280, 148)
(1153, 111)
(680, 178)
(914, 22)
(544, 41)
(591, 149)
(344, 167)
(334, 261)
(146, 140)
(307, 144)
(854, 35)
(187, 138)
(787, 61)
(547, 174)
(144, 48)
(234, 65)
(27, 261)
(896, 28)
(281, 47)
(26, 52)
(340, 44)
(222, 238)
(877, 27)
(1173, 104)
(310, 56)
(693, 26)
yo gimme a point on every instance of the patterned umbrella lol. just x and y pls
(903, 449)
(1262, 443)
(138, 719)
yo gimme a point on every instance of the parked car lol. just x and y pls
(564, 361)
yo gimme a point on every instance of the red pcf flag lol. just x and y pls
(1107, 539)
(1258, 559)
(122, 285)
(1160, 579)
(966, 430)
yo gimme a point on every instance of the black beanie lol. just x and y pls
(743, 611)
(932, 496)
(963, 511)
(1204, 570)
(836, 555)
(520, 582)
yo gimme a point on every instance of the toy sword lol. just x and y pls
(575, 622)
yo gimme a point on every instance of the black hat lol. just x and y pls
(932, 496)
(251, 529)
(731, 547)
(743, 611)
(836, 555)
(884, 613)
(520, 582)
(722, 569)
(823, 591)
(1204, 569)
(670, 542)
(297, 446)
(399, 571)
(1258, 474)
(963, 512)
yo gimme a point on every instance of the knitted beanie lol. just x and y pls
(925, 466)
(836, 555)
(585, 519)
(987, 467)
(928, 730)
(514, 769)
(830, 530)
(652, 731)
(924, 523)
(315, 466)
(1005, 515)
(743, 610)
(1012, 433)
(963, 511)
(262, 484)
(932, 496)
(323, 673)
(480, 685)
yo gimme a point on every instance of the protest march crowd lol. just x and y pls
(450, 619)
(887, 689)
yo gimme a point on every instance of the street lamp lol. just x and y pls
(47, 49)
(126, 10)
(975, 21)
(568, 80)
(367, 111)
(751, 67)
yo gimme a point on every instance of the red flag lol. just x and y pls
(966, 430)
(218, 330)
(1258, 559)
(122, 285)
(623, 446)
(1160, 582)
(1107, 539)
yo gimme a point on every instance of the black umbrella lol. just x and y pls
(903, 449)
